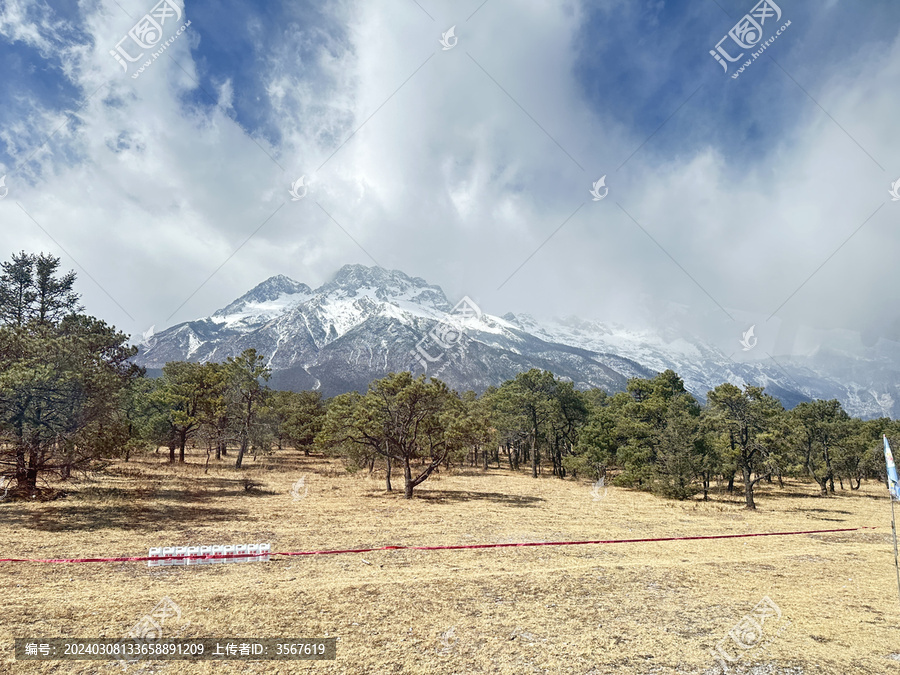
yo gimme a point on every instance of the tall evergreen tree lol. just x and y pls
(17, 291)
(642, 423)
(681, 450)
(528, 404)
(54, 297)
(746, 419)
(247, 373)
(31, 290)
(185, 392)
(597, 444)
(819, 430)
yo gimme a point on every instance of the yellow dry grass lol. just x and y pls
(655, 607)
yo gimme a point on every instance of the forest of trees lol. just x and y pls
(71, 399)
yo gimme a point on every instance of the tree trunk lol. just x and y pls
(241, 451)
(21, 470)
(387, 475)
(407, 475)
(31, 473)
(748, 489)
(172, 449)
(830, 470)
(730, 487)
(534, 472)
(245, 433)
(182, 441)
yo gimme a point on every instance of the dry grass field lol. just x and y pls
(657, 607)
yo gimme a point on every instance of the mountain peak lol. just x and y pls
(386, 285)
(269, 290)
(277, 285)
(357, 276)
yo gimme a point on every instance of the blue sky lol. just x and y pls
(169, 193)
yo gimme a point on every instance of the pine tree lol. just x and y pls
(248, 393)
(17, 293)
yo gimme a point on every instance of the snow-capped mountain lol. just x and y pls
(368, 321)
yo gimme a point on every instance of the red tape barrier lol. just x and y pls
(433, 548)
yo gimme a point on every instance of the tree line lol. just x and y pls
(71, 399)
(654, 436)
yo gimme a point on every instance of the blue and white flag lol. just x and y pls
(893, 484)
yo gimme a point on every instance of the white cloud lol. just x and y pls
(449, 179)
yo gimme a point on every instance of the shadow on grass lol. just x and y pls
(829, 511)
(75, 517)
(201, 492)
(824, 499)
(450, 496)
(274, 461)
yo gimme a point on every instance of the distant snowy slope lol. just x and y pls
(368, 321)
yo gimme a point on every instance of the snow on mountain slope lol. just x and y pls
(368, 321)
